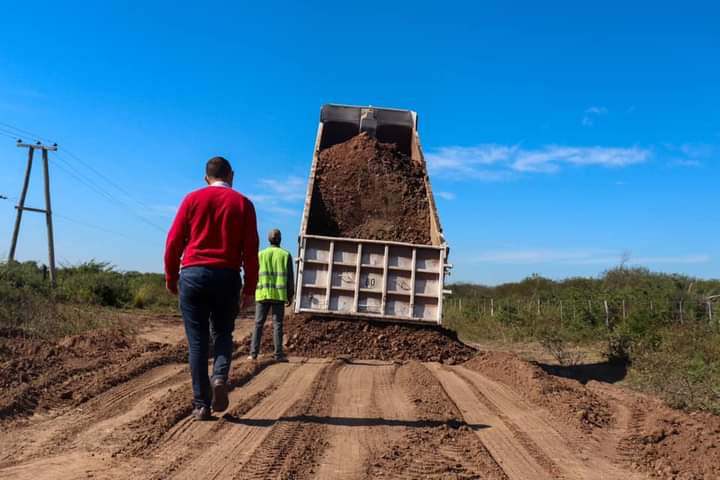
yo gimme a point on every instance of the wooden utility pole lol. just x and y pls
(47, 210)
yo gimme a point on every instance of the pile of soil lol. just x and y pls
(369, 190)
(38, 374)
(672, 444)
(565, 399)
(309, 336)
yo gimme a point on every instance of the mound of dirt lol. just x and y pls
(671, 444)
(37, 374)
(566, 399)
(370, 190)
(308, 336)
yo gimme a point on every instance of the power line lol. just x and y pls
(117, 187)
(90, 225)
(12, 134)
(5, 133)
(99, 174)
(26, 132)
(67, 167)
(73, 172)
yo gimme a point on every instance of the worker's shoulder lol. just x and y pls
(224, 192)
(239, 197)
(273, 250)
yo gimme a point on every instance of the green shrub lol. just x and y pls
(93, 283)
(683, 368)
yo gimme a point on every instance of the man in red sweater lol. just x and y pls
(213, 236)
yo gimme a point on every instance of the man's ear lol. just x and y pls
(207, 180)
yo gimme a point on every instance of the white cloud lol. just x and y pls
(291, 188)
(551, 158)
(583, 257)
(690, 155)
(471, 162)
(536, 256)
(281, 196)
(591, 114)
(698, 150)
(685, 163)
(694, 258)
(446, 195)
(501, 162)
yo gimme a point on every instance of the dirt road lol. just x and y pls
(330, 418)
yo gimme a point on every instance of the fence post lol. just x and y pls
(681, 312)
(624, 315)
(710, 312)
(492, 307)
(607, 314)
(538, 306)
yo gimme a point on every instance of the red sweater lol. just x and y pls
(215, 227)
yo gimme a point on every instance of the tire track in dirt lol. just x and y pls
(144, 434)
(74, 373)
(93, 424)
(294, 445)
(369, 412)
(179, 446)
(108, 383)
(440, 444)
(623, 440)
(236, 441)
(515, 455)
(539, 428)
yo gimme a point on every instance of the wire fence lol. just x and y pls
(610, 310)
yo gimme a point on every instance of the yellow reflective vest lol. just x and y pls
(275, 278)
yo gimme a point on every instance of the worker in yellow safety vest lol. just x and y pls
(274, 291)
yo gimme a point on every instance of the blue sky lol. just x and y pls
(559, 136)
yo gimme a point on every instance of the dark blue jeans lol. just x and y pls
(209, 303)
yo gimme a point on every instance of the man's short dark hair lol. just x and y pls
(218, 167)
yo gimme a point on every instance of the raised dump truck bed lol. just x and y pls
(367, 278)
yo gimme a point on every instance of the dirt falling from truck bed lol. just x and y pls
(370, 190)
(318, 337)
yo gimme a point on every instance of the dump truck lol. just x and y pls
(357, 278)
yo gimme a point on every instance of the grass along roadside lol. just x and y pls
(658, 334)
(87, 297)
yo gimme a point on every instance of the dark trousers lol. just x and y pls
(209, 302)
(278, 312)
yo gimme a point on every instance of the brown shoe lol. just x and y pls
(220, 395)
(201, 413)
